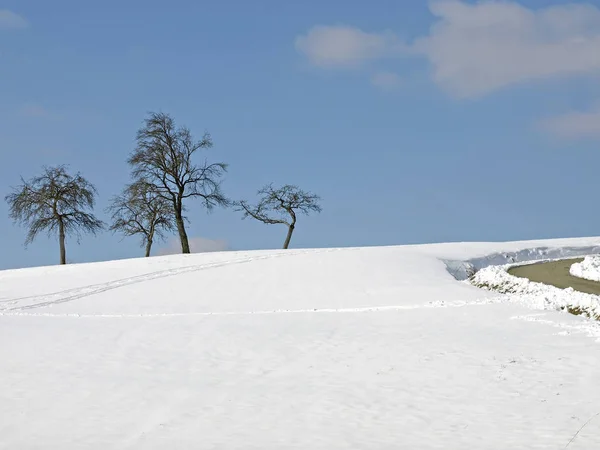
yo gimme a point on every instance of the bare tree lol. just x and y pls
(281, 206)
(138, 210)
(55, 202)
(164, 156)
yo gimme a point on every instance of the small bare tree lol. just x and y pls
(164, 156)
(55, 202)
(281, 206)
(138, 210)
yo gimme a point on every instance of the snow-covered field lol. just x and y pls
(589, 268)
(370, 348)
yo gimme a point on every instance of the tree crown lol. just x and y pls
(164, 157)
(141, 210)
(276, 204)
(54, 198)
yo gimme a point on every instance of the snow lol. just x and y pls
(380, 347)
(589, 268)
(536, 295)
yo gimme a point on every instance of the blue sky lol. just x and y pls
(415, 121)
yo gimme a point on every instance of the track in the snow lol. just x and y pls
(54, 298)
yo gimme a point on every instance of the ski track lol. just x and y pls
(70, 295)
(589, 328)
(366, 309)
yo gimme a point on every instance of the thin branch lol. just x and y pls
(582, 427)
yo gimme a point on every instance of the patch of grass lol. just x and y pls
(502, 288)
(575, 310)
(579, 311)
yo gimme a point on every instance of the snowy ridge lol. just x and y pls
(536, 295)
(589, 268)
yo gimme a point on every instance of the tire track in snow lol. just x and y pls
(366, 309)
(69, 295)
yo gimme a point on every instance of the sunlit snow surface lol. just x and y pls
(589, 268)
(370, 348)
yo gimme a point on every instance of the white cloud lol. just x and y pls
(342, 46)
(386, 80)
(10, 20)
(197, 245)
(574, 125)
(477, 48)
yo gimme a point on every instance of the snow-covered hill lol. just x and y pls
(376, 348)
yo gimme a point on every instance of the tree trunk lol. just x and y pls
(286, 244)
(61, 241)
(150, 236)
(185, 245)
(148, 247)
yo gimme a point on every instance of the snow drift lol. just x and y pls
(324, 349)
(589, 268)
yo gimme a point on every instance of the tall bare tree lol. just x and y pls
(164, 156)
(281, 206)
(138, 210)
(55, 202)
